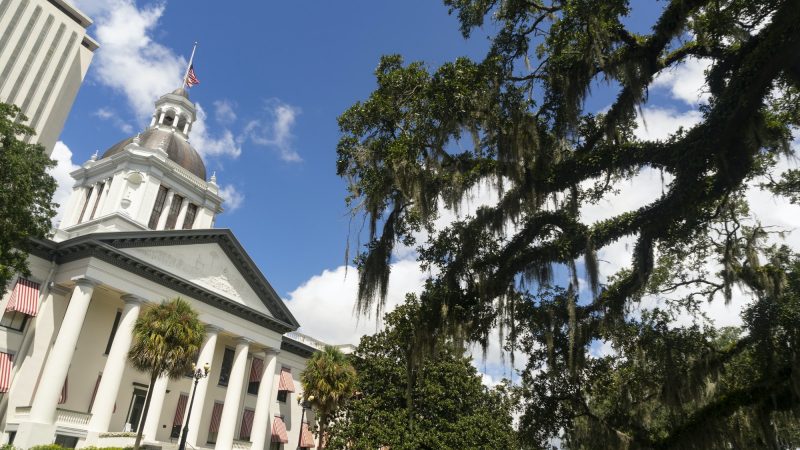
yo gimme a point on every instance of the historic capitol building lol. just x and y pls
(139, 228)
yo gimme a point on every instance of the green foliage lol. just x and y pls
(439, 404)
(26, 191)
(426, 138)
(167, 339)
(330, 378)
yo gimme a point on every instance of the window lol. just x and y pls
(282, 396)
(113, 332)
(14, 320)
(256, 370)
(213, 427)
(97, 199)
(85, 203)
(247, 424)
(191, 212)
(225, 369)
(174, 210)
(66, 441)
(158, 207)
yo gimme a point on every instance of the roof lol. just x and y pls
(106, 247)
(178, 149)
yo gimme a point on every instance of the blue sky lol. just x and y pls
(274, 77)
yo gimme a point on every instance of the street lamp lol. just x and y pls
(305, 404)
(197, 374)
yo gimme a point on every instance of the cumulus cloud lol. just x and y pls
(686, 81)
(654, 122)
(275, 130)
(206, 144)
(325, 303)
(60, 172)
(232, 197)
(224, 111)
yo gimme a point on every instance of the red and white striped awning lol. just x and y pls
(247, 424)
(256, 369)
(279, 431)
(286, 383)
(180, 410)
(24, 297)
(5, 372)
(306, 438)
(63, 397)
(216, 415)
(94, 392)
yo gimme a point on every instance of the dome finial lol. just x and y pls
(137, 140)
(213, 177)
(95, 155)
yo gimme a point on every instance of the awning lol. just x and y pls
(24, 297)
(306, 438)
(5, 372)
(63, 397)
(256, 370)
(247, 424)
(180, 410)
(216, 415)
(279, 431)
(286, 383)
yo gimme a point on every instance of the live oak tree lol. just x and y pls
(26, 191)
(167, 339)
(439, 403)
(517, 119)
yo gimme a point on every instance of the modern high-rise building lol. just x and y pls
(44, 55)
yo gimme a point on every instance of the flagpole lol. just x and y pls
(191, 58)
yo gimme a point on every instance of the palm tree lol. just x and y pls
(330, 379)
(167, 338)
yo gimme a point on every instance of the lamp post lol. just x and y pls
(305, 404)
(197, 374)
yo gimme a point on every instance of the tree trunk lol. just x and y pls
(153, 377)
(322, 437)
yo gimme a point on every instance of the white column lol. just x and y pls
(233, 396)
(261, 417)
(102, 200)
(106, 395)
(87, 212)
(206, 356)
(182, 214)
(161, 118)
(156, 405)
(43, 407)
(165, 212)
(186, 128)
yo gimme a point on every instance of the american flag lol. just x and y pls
(191, 78)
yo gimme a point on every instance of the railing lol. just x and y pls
(305, 339)
(74, 418)
(241, 445)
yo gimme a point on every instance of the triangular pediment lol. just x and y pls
(205, 265)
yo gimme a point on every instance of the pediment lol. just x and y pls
(204, 264)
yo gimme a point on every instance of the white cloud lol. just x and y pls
(232, 197)
(64, 166)
(113, 117)
(654, 122)
(223, 112)
(208, 145)
(325, 303)
(275, 131)
(686, 81)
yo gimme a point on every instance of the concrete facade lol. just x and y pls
(44, 55)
